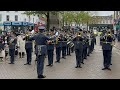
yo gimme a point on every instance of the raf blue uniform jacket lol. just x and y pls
(78, 41)
(12, 45)
(64, 43)
(107, 46)
(59, 44)
(40, 39)
(50, 46)
(28, 43)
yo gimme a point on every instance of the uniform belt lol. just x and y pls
(28, 42)
(108, 42)
(41, 45)
(64, 41)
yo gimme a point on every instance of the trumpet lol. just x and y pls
(11, 41)
(50, 42)
(56, 40)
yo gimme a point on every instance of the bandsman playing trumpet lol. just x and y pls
(107, 50)
(58, 45)
(50, 49)
(64, 46)
(28, 48)
(12, 43)
(78, 41)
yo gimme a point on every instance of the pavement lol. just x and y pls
(66, 69)
(117, 44)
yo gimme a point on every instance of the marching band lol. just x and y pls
(61, 42)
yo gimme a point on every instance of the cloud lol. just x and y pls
(105, 13)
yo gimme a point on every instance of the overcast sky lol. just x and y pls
(105, 13)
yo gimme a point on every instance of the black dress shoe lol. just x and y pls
(9, 63)
(26, 64)
(41, 76)
(82, 62)
(76, 67)
(108, 69)
(57, 61)
(48, 65)
(29, 63)
(51, 65)
(110, 64)
(79, 66)
(104, 68)
(63, 57)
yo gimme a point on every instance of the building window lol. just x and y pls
(0, 17)
(25, 19)
(103, 21)
(110, 21)
(7, 18)
(107, 21)
(16, 17)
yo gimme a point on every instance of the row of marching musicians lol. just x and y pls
(82, 43)
(67, 43)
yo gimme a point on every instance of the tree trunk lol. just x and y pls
(63, 22)
(48, 21)
(87, 26)
(29, 18)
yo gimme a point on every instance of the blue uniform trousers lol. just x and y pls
(29, 55)
(50, 57)
(12, 55)
(88, 50)
(107, 58)
(58, 53)
(85, 52)
(68, 50)
(64, 51)
(92, 46)
(40, 64)
(78, 53)
(72, 49)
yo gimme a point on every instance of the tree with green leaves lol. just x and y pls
(38, 13)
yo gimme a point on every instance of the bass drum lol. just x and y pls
(70, 44)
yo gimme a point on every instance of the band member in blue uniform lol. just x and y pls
(85, 45)
(58, 45)
(41, 49)
(12, 44)
(68, 47)
(28, 48)
(64, 46)
(50, 49)
(78, 42)
(107, 46)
